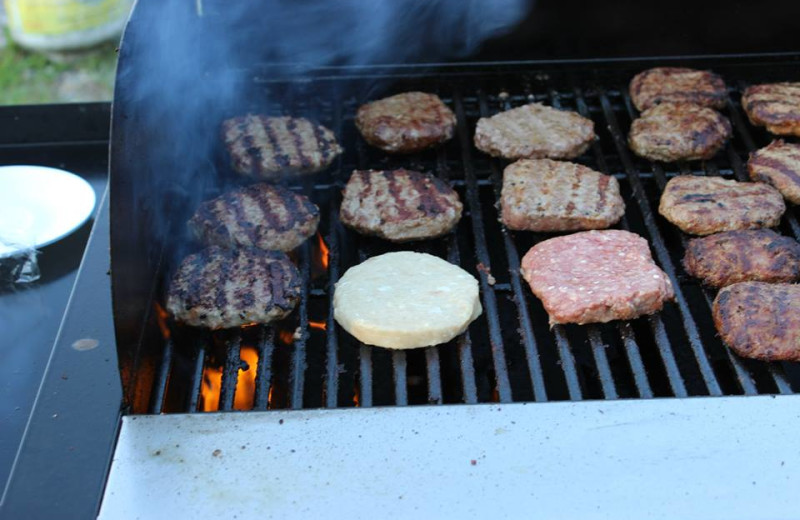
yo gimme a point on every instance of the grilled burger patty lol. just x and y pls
(534, 131)
(262, 216)
(263, 147)
(677, 85)
(738, 256)
(778, 164)
(221, 288)
(547, 195)
(760, 320)
(596, 277)
(399, 205)
(675, 131)
(775, 106)
(706, 205)
(406, 123)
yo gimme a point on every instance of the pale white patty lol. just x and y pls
(406, 300)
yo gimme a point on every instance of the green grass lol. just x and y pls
(30, 77)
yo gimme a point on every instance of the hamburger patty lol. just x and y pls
(775, 106)
(760, 320)
(406, 123)
(677, 85)
(778, 164)
(596, 276)
(675, 131)
(706, 205)
(547, 195)
(406, 300)
(262, 216)
(221, 288)
(399, 205)
(263, 147)
(738, 256)
(534, 131)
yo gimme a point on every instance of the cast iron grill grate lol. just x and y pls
(509, 354)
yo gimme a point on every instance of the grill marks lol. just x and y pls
(405, 123)
(673, 131)
(267, 147)
(219, 288)
(775, 106)
(677, 85)
(399, 205)
(779, 165)
(737, 256)
(760, 320)
(705, 205)
(534, 131)
(260, 215)
(546, 195)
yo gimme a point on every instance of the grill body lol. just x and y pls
(510, 353)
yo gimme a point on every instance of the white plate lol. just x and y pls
(39, 206)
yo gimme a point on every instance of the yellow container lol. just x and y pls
(55, 25)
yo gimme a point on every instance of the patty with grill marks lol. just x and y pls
(775, 106)
(676, 131)
(596, 277)
(219, 288)
(399, 205)
(738, 256)
(778, 164)
(760, 320)
(677, 85)
(534, 131)
(260, 215)
(547, 195)
(406, 123)
(263, 147)
(706, 205)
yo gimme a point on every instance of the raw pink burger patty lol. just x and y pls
(595, 277)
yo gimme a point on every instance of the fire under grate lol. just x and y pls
(509, 354)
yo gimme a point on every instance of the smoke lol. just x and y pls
(186, 66)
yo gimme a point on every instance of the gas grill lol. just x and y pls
(510, 354)
(653, 415)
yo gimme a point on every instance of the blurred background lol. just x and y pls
(59, 51)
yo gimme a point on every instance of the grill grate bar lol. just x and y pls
(567, 363)
(331, 387)
(265, 347)
(635, 360)
(489, 297)
(365, 375)
(230, 372)
(601, 361)
(399, 368)
(742, 374)
(434, 376)
(195, 385)
(298, 363)
(676, 382)
(690, 326)
(162, 381)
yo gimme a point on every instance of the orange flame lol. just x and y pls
(210, 389)
(286, 337)
(246, 382)
(324, 252)
(161, 318)
(319, 325)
